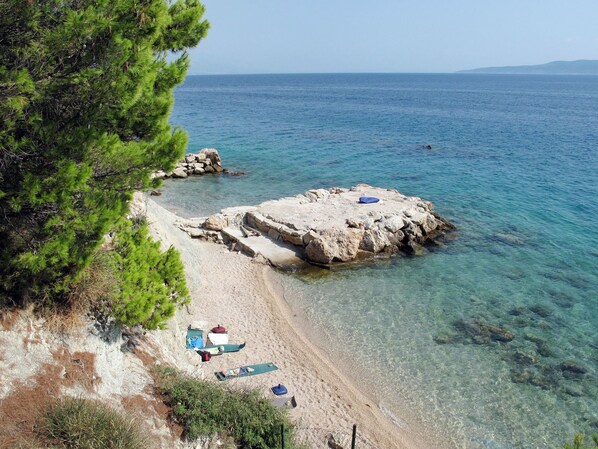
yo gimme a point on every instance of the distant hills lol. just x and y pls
(581, 67)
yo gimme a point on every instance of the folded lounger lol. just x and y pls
(244, 371)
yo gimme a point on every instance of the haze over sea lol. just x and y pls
(513, 165)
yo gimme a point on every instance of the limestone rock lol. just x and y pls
(334, 245)
(179, 172)
(331, 225)
(374, 241)
(216, 222)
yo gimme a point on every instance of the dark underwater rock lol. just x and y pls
(524, 358)
(541, 310)
(446, 338)
(481, 332)
(573, 370)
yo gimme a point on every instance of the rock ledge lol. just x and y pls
(328, 226)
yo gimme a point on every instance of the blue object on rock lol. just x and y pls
(279, 390)
(368, 199)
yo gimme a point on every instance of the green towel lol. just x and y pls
(244, 371)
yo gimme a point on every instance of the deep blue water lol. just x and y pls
(514, 164)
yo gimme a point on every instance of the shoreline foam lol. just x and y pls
(231, 289)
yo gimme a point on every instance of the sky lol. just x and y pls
(416, 36)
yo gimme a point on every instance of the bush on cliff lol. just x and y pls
(204, 408)
(86, 88)
(82, 424)
(150, 283)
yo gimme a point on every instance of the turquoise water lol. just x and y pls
(513, 164)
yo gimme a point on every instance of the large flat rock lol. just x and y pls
(328, 226)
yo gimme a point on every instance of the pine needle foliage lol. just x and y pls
(86, 87)
(151, 283)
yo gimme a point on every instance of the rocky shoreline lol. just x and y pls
(326, 226)
(206, 161)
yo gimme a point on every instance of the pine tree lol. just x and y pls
(86, 87)
(151, 283)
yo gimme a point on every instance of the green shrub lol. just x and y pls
(205, 408)
(151, 283)
(578, 443)
(82, 424)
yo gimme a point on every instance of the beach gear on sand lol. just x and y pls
(218, 330)
(221, 349)
(218, 339)
(285, 403)
(194, 338)
(368, 199)
(279, 390)
(243, 371)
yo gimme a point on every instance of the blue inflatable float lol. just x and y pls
(368, 199)
(279, 390)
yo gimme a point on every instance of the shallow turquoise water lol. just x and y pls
(513, 165)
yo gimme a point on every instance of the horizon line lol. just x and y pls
(458, 72)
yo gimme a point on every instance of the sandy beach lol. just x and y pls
(233, 290)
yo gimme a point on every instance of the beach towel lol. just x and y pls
(244, 371)
(221, 349)
(194, 339)
(218, 339)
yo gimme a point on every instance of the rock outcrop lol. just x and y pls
(328, 226)
(206, 161)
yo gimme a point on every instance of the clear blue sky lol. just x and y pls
(314, 36)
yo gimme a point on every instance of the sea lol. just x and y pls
(511, 160)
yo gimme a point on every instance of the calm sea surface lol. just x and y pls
(514, 164)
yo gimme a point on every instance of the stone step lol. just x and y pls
(278, 253)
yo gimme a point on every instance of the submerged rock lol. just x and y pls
(446, 338)
(541, 310)
(481, 332)
(524, 358)
(573, 369)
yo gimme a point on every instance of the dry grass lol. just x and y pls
(74, 423)
(94, 288)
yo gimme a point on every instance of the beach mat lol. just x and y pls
(221, 349)
(194, 339)
(245, 371)
(218, 339)
(284, 403)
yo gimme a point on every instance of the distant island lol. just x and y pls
(581, 67)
